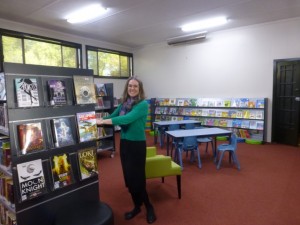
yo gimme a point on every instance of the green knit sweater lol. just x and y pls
(135, 119)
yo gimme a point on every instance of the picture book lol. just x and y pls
(61, 169)
(2, 87)
(87, 126)
(84, 89)
(62, 132)
(30, 137)
(88, 163)
(101, 89)
(31, 179)
(260, 103)
(26, 90)
(259, 115)
(57, 92)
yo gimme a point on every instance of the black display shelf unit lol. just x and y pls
(105, 105)
(44, 208)
(246, 117)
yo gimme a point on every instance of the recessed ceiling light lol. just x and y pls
(87, 13)
(204, 24)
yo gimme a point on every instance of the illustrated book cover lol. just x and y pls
(27, 92)
(84, 89)
(2, 87)
(87, 126)
(61, 168)
(62, 132)
(101, 89)
(30, 137)
(57, 92)
(88, 163)
(31, 179)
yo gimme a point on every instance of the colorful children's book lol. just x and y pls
(84, 89)
(57, 92)
(31, 179)
(101, 89)
(26, 90)
(88, 163)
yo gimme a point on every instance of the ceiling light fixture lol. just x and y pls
(204, 24)
(86, 14)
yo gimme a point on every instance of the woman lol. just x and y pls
(131, 116)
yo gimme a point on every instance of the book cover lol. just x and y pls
(84, 89)
(88, 163)
(30, 137)
(2, 87)
(31, 179)
(62, 132)
(260, 103)
(61, 169)
(101, 89)
(57, 92)
(87, 126)
(27, 92)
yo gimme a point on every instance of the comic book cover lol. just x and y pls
(62, 173)
(62, 132)
(31, 179)
(30, 137)
(88, 163)
(57, 92)
(84, 89)
(27, 92)
(87, 126)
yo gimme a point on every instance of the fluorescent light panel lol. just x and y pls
(87, 13)
(204, 24)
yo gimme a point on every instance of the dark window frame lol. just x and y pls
(106, 50)
(23, 36)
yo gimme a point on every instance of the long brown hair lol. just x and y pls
(141, 95)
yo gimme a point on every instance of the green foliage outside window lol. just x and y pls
(27, 49)
(109, 64)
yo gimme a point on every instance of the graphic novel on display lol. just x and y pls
(88, 164)
(27, 92)
(2, 87)
(62, 132)
(57, 92)
(100, 89)
(87, 127)
(30, 137)
(31, 179)
(84, 89)
(61, 170)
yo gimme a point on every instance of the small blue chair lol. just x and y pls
(189, 144)
(189, 126)
(231, 148)
(174, 142)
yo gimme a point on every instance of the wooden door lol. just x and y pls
(286, 101)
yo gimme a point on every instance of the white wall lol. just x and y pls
(232, 63)
(118, 84)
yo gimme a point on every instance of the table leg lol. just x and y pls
(168, 143)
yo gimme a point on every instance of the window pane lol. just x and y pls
(69, 57)
(42, 53)
(12, 49)
(92, 61)
(124, 66)
(109, 64)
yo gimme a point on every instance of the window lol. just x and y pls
(31, 49)
(109, 63)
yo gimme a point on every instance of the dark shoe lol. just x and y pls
(131, 214)
(151, 217)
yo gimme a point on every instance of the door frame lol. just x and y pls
(275, 63)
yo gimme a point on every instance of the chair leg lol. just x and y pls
(235, 159)
(206, 149)
(220, 160)
(199, 160)
(178, 178)
(163, 179)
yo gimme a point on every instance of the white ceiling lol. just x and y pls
(135, 23)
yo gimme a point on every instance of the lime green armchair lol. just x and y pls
(162, 166)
